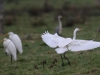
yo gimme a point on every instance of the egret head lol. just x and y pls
(5, 39)
(77, 29)
(10, 33)
(59, 16)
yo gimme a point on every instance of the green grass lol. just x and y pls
(35, 51)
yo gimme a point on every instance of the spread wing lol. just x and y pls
(49, 39)
(82, 45)
(62, 42)
(53, 40)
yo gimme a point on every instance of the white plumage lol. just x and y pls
(49, 39)
(61, 42)
(77, 45)
(61, 50)
(17, 41)
(82, 45)
(65, 44)
(10, 49)
(53, 40)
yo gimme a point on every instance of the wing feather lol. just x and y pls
(49, 39)
(53, 40)
(82, 45)
(17, 42)
(62, 42)
(12, 49)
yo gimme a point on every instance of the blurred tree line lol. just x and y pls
(1, 16)
(72, 14)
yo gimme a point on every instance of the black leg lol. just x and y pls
(17, 52)
(62, 60)
(66, 59)
(43, 64)
(11, 59)
(6, 53)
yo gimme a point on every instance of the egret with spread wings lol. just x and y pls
(65, 44)
(77, 45)
(54, 40)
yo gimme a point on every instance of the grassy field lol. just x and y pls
(36, 51)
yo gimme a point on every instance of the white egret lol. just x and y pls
(80, 45)
(53, 41)
(17, 42)
(66, 41)
(66, 44)
(58, 29)
(77, 45)
(10, 49)
(62, 42)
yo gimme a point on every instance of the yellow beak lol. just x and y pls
(80, 29)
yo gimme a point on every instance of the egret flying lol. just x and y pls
(17, 41)
(58, 29)
(10, 49)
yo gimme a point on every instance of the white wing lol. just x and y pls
(62, 42)
(10, 48)
(55, 40)
(7, 51)
(49, 39)
(17, 42)
(61, 50)
(81, 45)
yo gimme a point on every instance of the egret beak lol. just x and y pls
(80, 29)
(1, 40)
(5, 34)
(60, 16)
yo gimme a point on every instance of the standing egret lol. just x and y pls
(51, 40)
(17, 41)
(77, 45)
(80, 45)
(54, 41)
(66, 44)
(62, 42)
(10, 49)
(58, 29)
